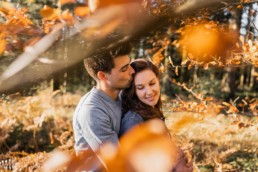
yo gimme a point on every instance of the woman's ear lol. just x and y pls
(101, 75)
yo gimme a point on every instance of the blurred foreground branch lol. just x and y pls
(106, 28)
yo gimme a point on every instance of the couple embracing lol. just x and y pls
(127, 93)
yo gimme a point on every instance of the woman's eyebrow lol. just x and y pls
(152, 79)
(142, 84)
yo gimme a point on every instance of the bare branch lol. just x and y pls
(87, 38)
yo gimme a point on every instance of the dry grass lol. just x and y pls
(31, 127)
(217, 142)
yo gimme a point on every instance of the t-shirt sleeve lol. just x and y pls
(96, 127)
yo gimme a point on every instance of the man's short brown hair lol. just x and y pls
(105, 61)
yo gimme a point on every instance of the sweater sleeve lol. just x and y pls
(129, 120)
(96, 127)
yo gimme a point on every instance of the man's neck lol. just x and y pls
(109, 91)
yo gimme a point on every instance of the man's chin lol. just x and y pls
(125, 86)
(129, 84)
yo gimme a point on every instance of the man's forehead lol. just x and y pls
(121, 61)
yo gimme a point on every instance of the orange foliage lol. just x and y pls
(7, 8)
(15, 16)
(67, 16)
(158, 56)
(146, 147)
(183, 122)
(205, 41)
(96, 4)
(2, 45)
(82, 11)
(17, 29)
(49, 13)
(67, 1)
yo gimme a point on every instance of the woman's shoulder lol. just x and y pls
(132, 115)
(129, 120)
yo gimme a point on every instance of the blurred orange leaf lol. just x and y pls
(227, 104)
(3, 11)
(98, 32)
(67, 16)
(142, 147)
(205, 41)
(49, 13)
(67, 1)
(240, 7)
(82, 11)
(186, 120)
(2, 45)
(232, 109)
(176, 71)
(7, 6)
(206, 66)
(158, 56)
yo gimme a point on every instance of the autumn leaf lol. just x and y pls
(245, 103)
(232, 109)
(227, 104)
(82, 11)
(49, 13)
(3, 11)
(205, 41)
(98, 32)
(199, 40)
(62, 2)
(206, 66)
(183, 122)
(253, 106)
(240, 7)
(8, 6)
(176, 71)
(162, 68)
(67, 17)
(250, 43)
(2, 46)
(158, 56)
(144, 144)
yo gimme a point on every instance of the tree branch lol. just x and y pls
(87, 38)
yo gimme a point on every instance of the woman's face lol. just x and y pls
(147, 87)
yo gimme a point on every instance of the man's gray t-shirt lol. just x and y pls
(96, 120)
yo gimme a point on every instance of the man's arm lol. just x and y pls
(96, 127)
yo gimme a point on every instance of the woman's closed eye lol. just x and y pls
(152, 83)
(140, 87)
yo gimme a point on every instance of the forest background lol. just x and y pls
(209, 85)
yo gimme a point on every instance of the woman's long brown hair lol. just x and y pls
(130, 100)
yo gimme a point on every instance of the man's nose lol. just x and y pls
(131, 70)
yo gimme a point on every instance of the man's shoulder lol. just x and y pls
(91, 97)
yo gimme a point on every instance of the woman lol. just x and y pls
(141, 101)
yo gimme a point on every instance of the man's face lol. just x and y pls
(121, 75)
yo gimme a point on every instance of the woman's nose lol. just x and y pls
(148, 90)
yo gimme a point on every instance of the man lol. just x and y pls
(97, 116)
